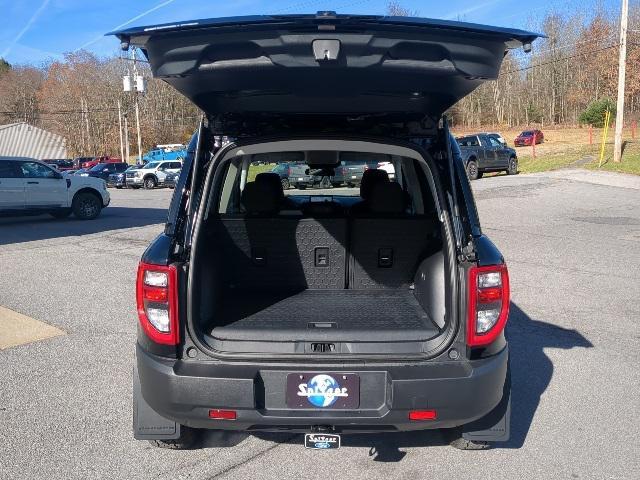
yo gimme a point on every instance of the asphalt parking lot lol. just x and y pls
(572, 242)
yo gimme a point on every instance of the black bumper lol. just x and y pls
(460, 392)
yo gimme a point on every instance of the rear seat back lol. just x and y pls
(268, 250)
(387, 245)
(282, 253)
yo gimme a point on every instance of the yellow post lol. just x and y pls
(605, 131)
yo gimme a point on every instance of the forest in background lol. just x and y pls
(576, 65)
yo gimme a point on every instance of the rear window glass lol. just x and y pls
(337, 186)
(468, 142)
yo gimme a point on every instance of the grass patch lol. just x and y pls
(254, 170)
(550, 161)
(630, 164)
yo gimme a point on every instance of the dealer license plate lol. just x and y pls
(321, 441)
(324, 391)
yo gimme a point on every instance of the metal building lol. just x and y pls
(24, 140)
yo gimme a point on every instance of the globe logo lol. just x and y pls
(322, 390)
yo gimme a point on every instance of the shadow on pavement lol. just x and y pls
(43, 227)
(531, 370)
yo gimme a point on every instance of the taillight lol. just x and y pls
(488, 303)
(157, 299)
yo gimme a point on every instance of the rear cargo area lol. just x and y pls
(325, 315)
(320, 271)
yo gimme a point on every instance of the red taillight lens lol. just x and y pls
(222, 414)
(157, 301)
(422, 415)
(488, 303)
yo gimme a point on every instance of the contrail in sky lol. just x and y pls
(137, 17)
(33, 18)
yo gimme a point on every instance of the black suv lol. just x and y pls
(377, 310)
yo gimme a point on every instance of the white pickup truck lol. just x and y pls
(31, 186)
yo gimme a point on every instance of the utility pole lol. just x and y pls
(622, 67)
(126, 138)
(137, 91)
(120, 132)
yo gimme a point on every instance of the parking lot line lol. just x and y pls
(17, 329)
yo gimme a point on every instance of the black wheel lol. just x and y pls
(513, 166)
(472, 170)
(61, 213)
(285, 183)
(150, 183)
(86, 206)
(187, 439)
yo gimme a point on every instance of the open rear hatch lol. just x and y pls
(263, 75)
(325, 63)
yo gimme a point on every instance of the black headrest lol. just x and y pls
(272, 180)
(260, 198)
(370, 178)
(387, 198)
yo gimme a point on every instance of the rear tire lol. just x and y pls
(513, 166)
(150, 183)
(472, 170)
(325, 182)
(60, 214)
(187, 439)
(86, 206)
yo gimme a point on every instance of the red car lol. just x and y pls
(527, 137)
(97, 160)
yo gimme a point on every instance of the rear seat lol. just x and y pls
(266, 250)
(386, 245)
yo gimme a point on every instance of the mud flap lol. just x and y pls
(494, 427)
(147, 424)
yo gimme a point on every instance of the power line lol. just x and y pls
(567, 57)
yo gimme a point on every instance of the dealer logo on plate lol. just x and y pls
(322, 390)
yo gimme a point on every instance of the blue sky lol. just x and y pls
(35, 30)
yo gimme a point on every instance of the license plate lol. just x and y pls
(354, 176)
(323, 391)
(321, 441)
(300, 179)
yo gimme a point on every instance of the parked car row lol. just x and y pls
(123, 175)
(348, 173)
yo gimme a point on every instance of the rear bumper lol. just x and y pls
(460, 392)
